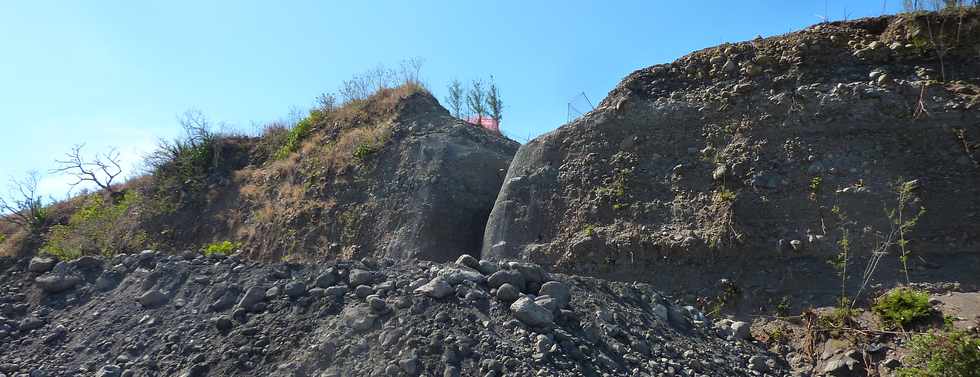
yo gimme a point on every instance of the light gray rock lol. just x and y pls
(741, 330)
(41, 264)
(467, 260)
(152, 298)
(530, 313)
(438, 287)
(56, 282)
(558, 291)
(109, 371)
(456, 275)
(252, 297)
(360, 277)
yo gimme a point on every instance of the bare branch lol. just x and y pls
(101, 170)
(24, 207)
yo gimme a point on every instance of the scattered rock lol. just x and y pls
(152, 299)
(468, 261)
(507, 293)
(530, 313)
(437, 288)
(41, 264)
(506, 277)
(558, 291)
(295, 289)
(253, 296)
(56, 282)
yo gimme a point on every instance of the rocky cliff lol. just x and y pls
(752, 161)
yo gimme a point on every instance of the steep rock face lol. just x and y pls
(729, 162)
(420, 186)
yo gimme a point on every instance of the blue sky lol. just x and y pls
(117, 73)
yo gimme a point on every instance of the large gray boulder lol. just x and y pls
(532, 314)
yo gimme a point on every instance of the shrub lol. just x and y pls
(295, 137)
(95, 228)
(901, 307)
(224, 248)
(183, 164)
(946, 354)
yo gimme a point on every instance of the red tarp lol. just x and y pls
(485, 122)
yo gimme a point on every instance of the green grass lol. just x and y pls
(901, 307)
(295, 137)
(95, 229)
(365, 150)
(942, 354)
(223, 248)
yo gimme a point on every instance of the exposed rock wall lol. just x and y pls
(730, 161)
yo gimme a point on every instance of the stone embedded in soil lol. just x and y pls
(506, 276)
(56, 282)
(507, 293)
(152, 299)
(558, 291)
(252, 297)
(530, 313)
(41, 264)
(438, 287)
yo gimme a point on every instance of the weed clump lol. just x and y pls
(220, 248)
(91, 229)
(901, 307)
(947, 354)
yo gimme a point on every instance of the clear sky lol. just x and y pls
(117, 73)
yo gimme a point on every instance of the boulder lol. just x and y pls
(438, 287)
(530, 313)
(506, 277)
(41, 264)
(152, 299)
(507, 293)
(253, 296)
(558, 291)
(56, 282)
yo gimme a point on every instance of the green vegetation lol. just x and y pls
(24, 207)
(902, 223)
(841, 316)
(901, 307)
(184, 164)
(3, 237)
(725, 195)
(294, 138)
(816, 184)
(588, 231)
(95, 228)
(364, 150)
(942, 354)
(222, 248)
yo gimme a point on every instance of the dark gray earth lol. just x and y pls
(160, 315)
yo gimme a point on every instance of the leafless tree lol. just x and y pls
(326, 102)
(455, 98)
(494, 105)
(23, 205)
(410, 71)
(475, 100)
(100, 170)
